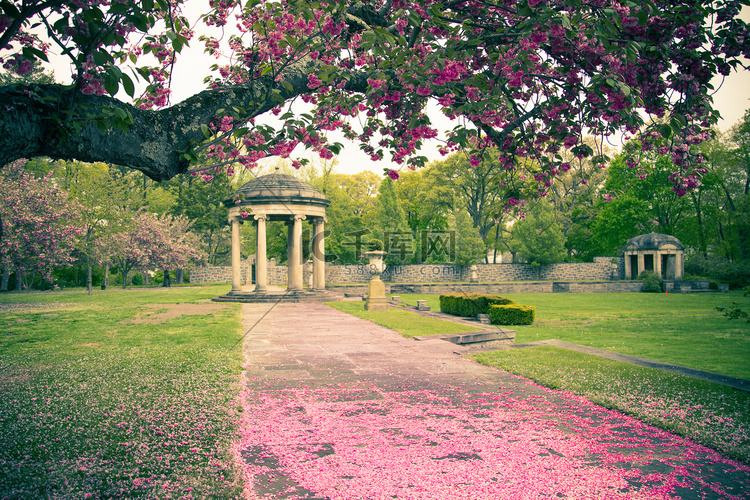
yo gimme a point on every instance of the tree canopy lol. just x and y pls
(528, 77)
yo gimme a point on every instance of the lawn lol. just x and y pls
(683, 329)
(407, 323)
(122, 394)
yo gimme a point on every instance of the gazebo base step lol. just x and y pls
(273, 297)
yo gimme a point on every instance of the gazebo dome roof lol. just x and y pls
(653, 241)
(277, 188)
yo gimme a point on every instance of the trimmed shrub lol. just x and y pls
(652, 282)
(469, 305)
(512, 314)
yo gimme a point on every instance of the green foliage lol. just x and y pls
(652, 282)
(375, 245)
(351, 214)
(512, 314)
(137, 279)
(736, 273)
(539, 237)
(201, 202)
(470, 248)
(735, 311)
(456, 183)
(391, 225)
(470, 304)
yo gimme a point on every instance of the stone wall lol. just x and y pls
(218, 274)
(602, 269)
(498, 288)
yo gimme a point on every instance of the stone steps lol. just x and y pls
(277, 297)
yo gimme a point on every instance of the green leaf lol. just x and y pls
(31, 53)
(666, 131)
(10, 9)
(128, 85)
(111, 85)
(205, 130)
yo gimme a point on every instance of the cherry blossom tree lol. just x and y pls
(149, 241)
(529, 77)
(38, 224)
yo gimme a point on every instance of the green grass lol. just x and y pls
(683, 329)
(407, 323)
(708, 413)
(95, 405)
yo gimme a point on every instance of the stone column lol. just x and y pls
(657, 262)
(628, 271)
(641, 262)
(679, 266)
(261, 269)
(294, 254)
(236, 265)
(319, 254)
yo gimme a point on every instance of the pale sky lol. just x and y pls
(732, 97)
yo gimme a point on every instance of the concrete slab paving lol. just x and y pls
(340, 408)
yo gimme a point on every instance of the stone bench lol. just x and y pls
(422, 305)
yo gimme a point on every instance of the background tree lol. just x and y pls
(172, 245)
(637, 200)
(101, 197)
(391, 226)
(575, 194)
(202, 203)
(38, 225)
(538, 235)
(469, 245)
(351, 214)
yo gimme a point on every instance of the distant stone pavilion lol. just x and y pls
(279, 197)
(660, 253)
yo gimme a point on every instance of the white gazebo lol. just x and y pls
(279, 197)
(660, 253)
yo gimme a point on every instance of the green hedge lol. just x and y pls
(469, 305)
(512, 314)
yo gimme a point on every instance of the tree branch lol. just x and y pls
(31, 122)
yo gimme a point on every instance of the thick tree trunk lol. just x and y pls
(179, 276)
(167, 281)
(6, 279)
(106, 275)
(35, 121)
(124, 279)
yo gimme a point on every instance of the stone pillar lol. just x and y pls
(657, 263)
(289, 239)
(261, 269)
(641, 262)
(236, 265)
(628, 270)
(679, 266)
(319, 254)
(294, 254)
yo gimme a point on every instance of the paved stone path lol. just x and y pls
(338, 407)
